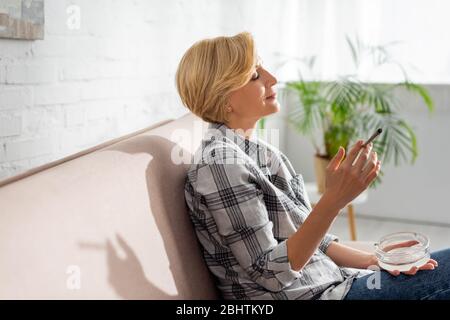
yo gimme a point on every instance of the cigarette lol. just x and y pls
(376, 134)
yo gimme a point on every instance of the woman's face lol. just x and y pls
(256, 99)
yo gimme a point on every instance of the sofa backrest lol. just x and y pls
(104, 224)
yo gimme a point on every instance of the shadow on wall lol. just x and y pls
(165, 185)
(126, 275)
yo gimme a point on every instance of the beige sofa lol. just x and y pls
(109, 222)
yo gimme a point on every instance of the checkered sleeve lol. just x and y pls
(298, 186)
(328, 238)
(326, 241)
(237, 206)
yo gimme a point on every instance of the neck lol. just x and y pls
(245, 126)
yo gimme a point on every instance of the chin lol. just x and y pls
(274, 109)
(270, 108)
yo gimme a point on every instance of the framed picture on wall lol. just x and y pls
(22, 19)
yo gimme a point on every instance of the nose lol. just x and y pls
(271, 79)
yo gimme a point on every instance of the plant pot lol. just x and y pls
(320, 165)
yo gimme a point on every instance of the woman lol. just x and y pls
(260, 237)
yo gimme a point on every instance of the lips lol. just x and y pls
(273, 96)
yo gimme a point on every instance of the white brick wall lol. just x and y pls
(74, 115)
(10, 126)
(25, 149)
(56, 94)
(2, 74)
(2, 153)
(15, 97)
(112, 76)
(30, 73)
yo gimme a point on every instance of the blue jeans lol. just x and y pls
(424, 285)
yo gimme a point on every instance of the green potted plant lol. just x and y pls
(347, 109)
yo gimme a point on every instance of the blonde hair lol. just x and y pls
(211, 69)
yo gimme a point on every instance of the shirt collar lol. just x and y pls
(252, 146)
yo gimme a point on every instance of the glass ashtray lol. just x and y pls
(402, 250)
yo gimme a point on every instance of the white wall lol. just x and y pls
(413, 192)
(115, 74)
(418, 25)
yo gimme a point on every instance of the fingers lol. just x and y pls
(371, 164)
(427, 266)
(434, 262)
(336, 161)
(363, 157)
(394, 272)
(411, 271)
(430, 265)
(373, 174)
(353, 153)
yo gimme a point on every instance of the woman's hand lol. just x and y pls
(430, 265)
(347, 178)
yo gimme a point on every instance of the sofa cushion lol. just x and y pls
(109, 223)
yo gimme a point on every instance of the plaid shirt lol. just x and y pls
(245, 200)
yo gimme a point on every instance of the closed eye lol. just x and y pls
(255, 76)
